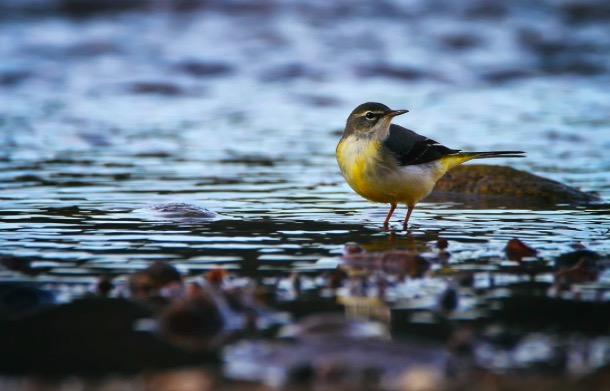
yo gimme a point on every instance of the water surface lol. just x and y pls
(103, 117)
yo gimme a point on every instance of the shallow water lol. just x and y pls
(239, 112)
(207, 138)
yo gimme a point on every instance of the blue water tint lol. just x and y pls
(112, 117)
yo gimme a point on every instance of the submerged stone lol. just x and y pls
(509, 184)
(181, 209)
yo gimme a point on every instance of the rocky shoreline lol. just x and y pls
(444, 319)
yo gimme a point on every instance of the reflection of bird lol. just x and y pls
(387, 163)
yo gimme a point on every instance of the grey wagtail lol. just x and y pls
(387, 163)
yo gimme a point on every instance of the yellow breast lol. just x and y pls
(359, 160)
(378, 177)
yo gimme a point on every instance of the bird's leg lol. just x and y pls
(406, 223)
(386, 223)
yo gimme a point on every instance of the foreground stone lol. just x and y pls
(507, 183)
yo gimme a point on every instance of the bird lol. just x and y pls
(386, 163)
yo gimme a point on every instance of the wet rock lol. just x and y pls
(181, 209)
(512, 185)
(205, 69)
(516, 250)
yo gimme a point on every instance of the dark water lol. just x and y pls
(236, 110)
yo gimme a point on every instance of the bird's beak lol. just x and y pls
(394, 113)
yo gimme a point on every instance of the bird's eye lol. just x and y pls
(370, 115)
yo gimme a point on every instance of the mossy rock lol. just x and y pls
(500, 182)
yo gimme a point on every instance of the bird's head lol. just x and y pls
(371, 118)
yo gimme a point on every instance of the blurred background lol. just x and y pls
(231, 111)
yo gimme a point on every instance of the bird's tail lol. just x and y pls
(485, 155)
(462, 157)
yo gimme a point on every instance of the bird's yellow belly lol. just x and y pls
(378, 180)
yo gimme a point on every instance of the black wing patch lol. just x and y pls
(411, 148)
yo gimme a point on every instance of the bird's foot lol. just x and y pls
(406, 227)
(391, 229)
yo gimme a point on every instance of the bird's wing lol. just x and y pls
(411, 148)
